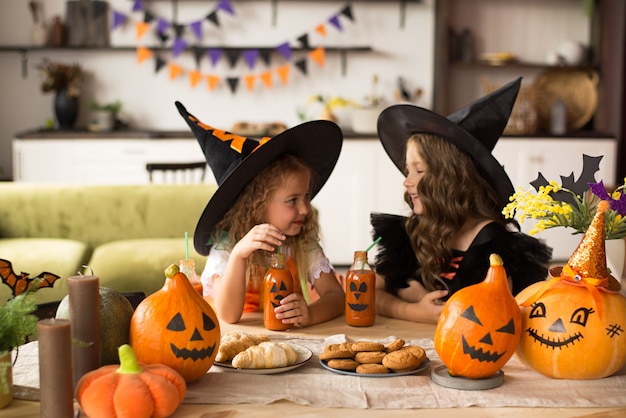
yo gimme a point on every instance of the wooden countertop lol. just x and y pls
(383, 328)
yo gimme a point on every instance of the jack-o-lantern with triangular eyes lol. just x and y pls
(480, 326)
(574, 324)
(176, 327)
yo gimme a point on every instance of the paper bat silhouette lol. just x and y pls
(590, 166)
(19, 284)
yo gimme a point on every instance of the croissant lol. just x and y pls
(265, 356)
(234, 342)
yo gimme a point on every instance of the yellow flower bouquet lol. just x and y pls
(573, 206)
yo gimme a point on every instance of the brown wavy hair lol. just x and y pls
(249, 210)
(451, 190)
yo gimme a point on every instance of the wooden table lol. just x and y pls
(383, 328)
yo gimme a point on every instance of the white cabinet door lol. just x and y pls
(525, 158)
(364, 181)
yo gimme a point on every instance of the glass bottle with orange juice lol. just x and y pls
(277, 284)
(360, 310)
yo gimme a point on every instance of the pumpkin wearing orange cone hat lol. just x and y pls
(574, 324)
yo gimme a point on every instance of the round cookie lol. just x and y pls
(343, 364)
(395, 345)
(369, 357)
(372, 369)
(401, 361)
(367, 346)
(336, 354)
(417, 351)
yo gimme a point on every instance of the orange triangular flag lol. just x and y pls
(194, 77)
(266, 78)
(250, 81)
(141, 28)
(143, 54)
(175, 70)
(283, 73)
(321, 29)
(318, 55)
(212, 81)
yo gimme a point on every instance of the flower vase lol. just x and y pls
(615, 252)
(6, 379)
(65, 109)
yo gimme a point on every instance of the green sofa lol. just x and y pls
(126, 234)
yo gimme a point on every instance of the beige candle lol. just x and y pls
(55, 368)
(84, 301)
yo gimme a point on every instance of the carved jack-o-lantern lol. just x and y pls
(479, 327)
(176, 327)
(571, 333)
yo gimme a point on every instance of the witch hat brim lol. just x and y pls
(475, 129)
(235, 162)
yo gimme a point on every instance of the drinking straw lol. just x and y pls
(373, 243)
(186, 245)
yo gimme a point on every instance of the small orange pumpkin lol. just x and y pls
(175, 326)
(480, 326)
(130, 389)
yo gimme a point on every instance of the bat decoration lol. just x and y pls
(20, 283)
(590, 166)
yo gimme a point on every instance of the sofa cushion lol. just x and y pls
(62, 257)
(139, 264)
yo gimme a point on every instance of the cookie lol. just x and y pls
(369, 357)
(394, 345)
(417, 351)
(336, 354)
(367, 346)
(401, 361)
(343, 364)
(372, 369)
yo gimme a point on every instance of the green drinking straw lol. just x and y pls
(373, 243)
(186, 245)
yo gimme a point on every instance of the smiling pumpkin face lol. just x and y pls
(176, 327)
(568, 334)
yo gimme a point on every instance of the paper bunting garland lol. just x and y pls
(164, 28)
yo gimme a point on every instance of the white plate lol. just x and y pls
(422, 367)
(304, 355)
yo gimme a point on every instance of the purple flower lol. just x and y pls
(617, 205)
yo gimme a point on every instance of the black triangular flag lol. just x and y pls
(304, 41)
(302, 66)
(347, 12)
(160, 63)
(198, 53)
(212, 17)
(232, 83)
(148, 17)
(266, 55)
(233, 56)
(163, 37)
(179, 30)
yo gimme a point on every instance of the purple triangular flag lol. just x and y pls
(250, 55)
(214, 55)
(118, 19)
(212, 17)
(302, 66)
(162, 25)
(232, 83)
(284, 50)
(335, 22)
(226, 6)
(347, 12)
(196, 29)
(137, 5)
(179, 46)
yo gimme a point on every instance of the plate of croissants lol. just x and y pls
(258, 354)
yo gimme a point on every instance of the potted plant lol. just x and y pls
(104, 116)
(65, 81)
(17, 324)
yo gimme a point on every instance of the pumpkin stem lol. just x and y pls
(495, 260)
(171, 271)
(128, 361)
